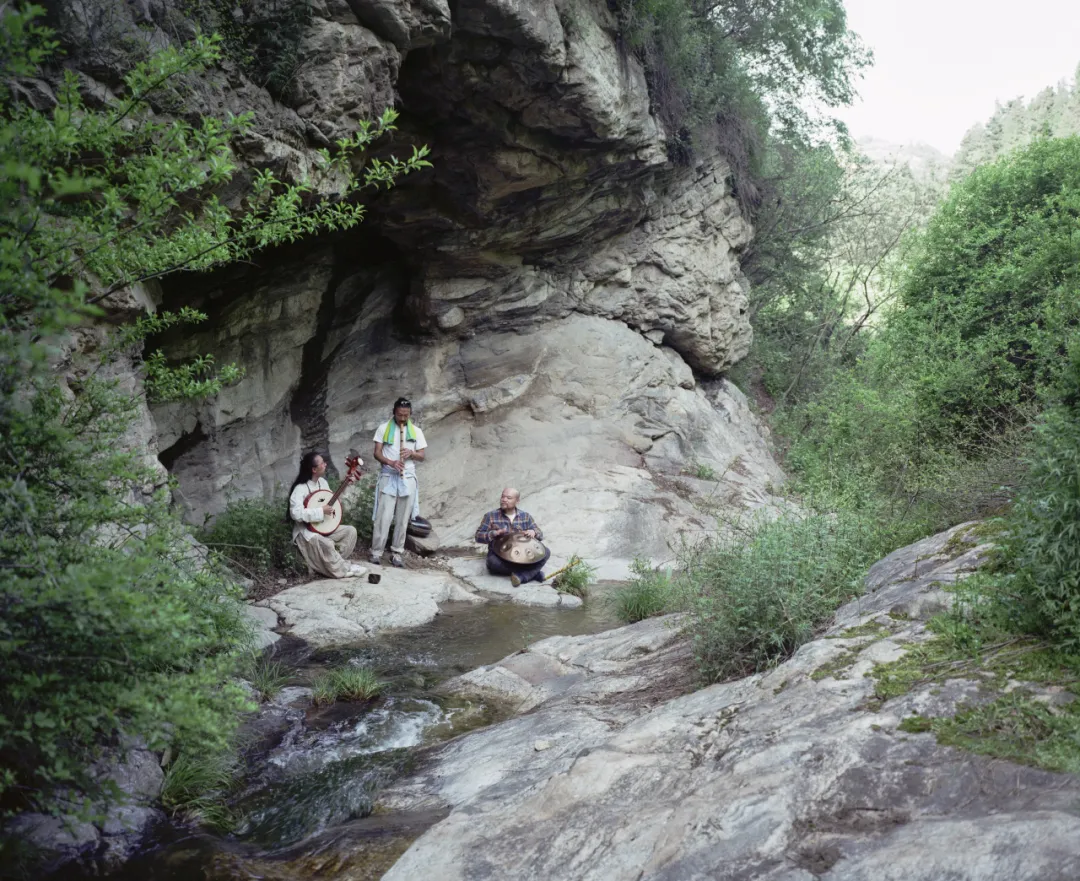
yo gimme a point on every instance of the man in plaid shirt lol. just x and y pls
(505, 520)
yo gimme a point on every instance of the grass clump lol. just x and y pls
(575, 577)
(195, 788)
(648, 593)
(266, 675)
(349, 683)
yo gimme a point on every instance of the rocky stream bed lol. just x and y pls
(543, 743)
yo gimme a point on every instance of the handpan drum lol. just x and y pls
(518, 548)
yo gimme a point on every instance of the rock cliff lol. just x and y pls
(553, 295)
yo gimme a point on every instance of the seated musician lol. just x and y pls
(325, 554)
(507, 519)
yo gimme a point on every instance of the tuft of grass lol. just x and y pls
(266, 675)
(648, 593)
(195, 788)
(701, 471)
(349, 683)
(575, 577)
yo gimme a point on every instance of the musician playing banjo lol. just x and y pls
(522, 561)
(324, 554)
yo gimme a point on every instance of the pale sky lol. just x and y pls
(940, 64)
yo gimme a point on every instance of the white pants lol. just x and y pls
(391, 509)
(327, 554)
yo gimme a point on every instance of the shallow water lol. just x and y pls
(303, 809)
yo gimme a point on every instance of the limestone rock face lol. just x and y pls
(784, 775)
(555, 294)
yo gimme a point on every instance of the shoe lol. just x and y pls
(397, 562)
(356, 570)
(514, 580)
(375, 560)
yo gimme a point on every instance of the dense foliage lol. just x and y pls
(112, 628)
(1054, 112)
(934, 414)
(743, 75)
(1039, 575)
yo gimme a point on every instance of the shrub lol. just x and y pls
(1041, 565)
(358, 509)
(648, 593)
(350, 683)
(252, 534)
(110, 626)
(758, 597)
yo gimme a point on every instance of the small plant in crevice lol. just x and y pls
(348, 683)
(266, 675)
(575, 577)
(701, 471)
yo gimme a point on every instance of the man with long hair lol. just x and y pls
(325, 554)
(399, 444)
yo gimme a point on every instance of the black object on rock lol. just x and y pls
(420, 527)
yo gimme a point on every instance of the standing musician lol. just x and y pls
(325, 554)
(507, 519)
(399, 444)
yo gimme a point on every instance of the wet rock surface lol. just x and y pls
(342, 610)
(782, 775)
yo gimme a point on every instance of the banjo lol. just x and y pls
(320, 497)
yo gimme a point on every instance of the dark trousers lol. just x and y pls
(524, 571)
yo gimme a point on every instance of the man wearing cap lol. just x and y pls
(399, 444)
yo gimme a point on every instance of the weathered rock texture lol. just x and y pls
(546, 294)
(113, 834)
(782, 775)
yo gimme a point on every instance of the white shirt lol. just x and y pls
(303, 515)
(392, 451)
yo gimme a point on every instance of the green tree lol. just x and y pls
(738, 70)
(112, 626)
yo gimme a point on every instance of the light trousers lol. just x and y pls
(328, 554)
(396, 510)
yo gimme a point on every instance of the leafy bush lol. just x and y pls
(358, 509)
(759, 596)
(1040, 569)
(349, 683)
(648, 593)
(252, 535)
(108, 622)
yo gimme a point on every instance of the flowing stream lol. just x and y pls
(303, 808)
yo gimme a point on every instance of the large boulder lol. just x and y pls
(341, 610)
(797, 773)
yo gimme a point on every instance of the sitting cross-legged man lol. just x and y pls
(507, 519)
